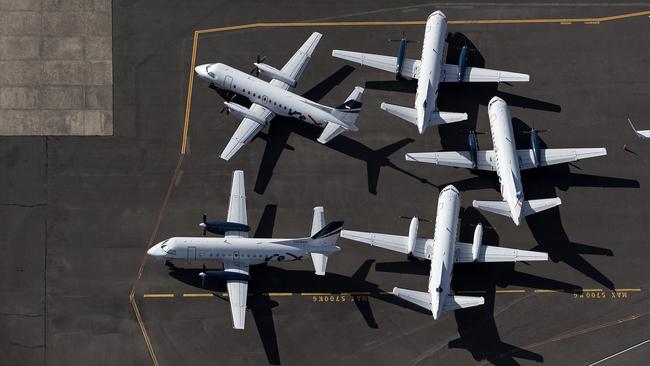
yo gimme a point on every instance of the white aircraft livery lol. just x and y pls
(443, 251)
(275, 98)
(237, 251)
(507, 161)
(430, 71)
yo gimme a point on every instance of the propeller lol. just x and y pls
(469, 132)
(229, 98)
(204, 224)
(419, 218)
(403, 38)
(533, 129)
(260, 59)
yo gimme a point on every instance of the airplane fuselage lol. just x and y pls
(444, 242)
(279, 101)
(192, 251)
(507, 161)
(433, 48)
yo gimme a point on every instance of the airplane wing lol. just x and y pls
(410, 67)
(479, 75)
(485, 159)
(237, 206)
(237, 292)
(247, 130)
(396, 243)
(488, 253)
(557, 156)
(297, 63)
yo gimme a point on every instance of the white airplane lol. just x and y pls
(237, 251)
(507, 161)
(275, 98)
(443, 251)
(430, 71)
(642, 134)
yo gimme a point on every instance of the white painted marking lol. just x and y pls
(618, 353)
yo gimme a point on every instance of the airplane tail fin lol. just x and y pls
(324, 237)
(411, 115)
(348, 112)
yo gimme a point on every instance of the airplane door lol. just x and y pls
(191, 254)
(235, 255)
(227, 82)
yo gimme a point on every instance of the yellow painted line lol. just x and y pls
(186, 124)
(509, 291)
(546, 290)
(355, 293)
(591, 290)
(280, 294)
(627, 289)
(199, 295)
(315, 294)
(157, 295)
(143, 329)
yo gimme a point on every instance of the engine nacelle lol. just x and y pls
(476, 243)
(462, 63)
(276, 74)
(413, 234)
(534, 143)
(243, 112)
(221, 227)
(224, 275)
(473, 148)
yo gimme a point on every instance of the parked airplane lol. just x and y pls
(430, 71)
(275, 98)
(642, 134)
(237, 251)
(443, 251)
(507, 161)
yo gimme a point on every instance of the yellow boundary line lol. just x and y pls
(307, 24)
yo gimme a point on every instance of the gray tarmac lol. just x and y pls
(81, 211)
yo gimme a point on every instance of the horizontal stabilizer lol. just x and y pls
(497, 207)
(419, 298)
(330, 131)
(441, 118)
(405, 113)
(535, 206)
(320, 263)
(454, 302)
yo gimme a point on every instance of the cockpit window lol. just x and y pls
(207, 69)
(163, 245)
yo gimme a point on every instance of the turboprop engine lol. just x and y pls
(276, 74)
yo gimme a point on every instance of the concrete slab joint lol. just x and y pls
(56, 67)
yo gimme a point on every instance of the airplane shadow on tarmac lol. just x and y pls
(477, 328)
(546, 227)
(282, 127)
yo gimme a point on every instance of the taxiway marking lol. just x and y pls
(618, 353)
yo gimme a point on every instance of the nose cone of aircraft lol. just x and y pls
(201, 71)
(155, 251)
